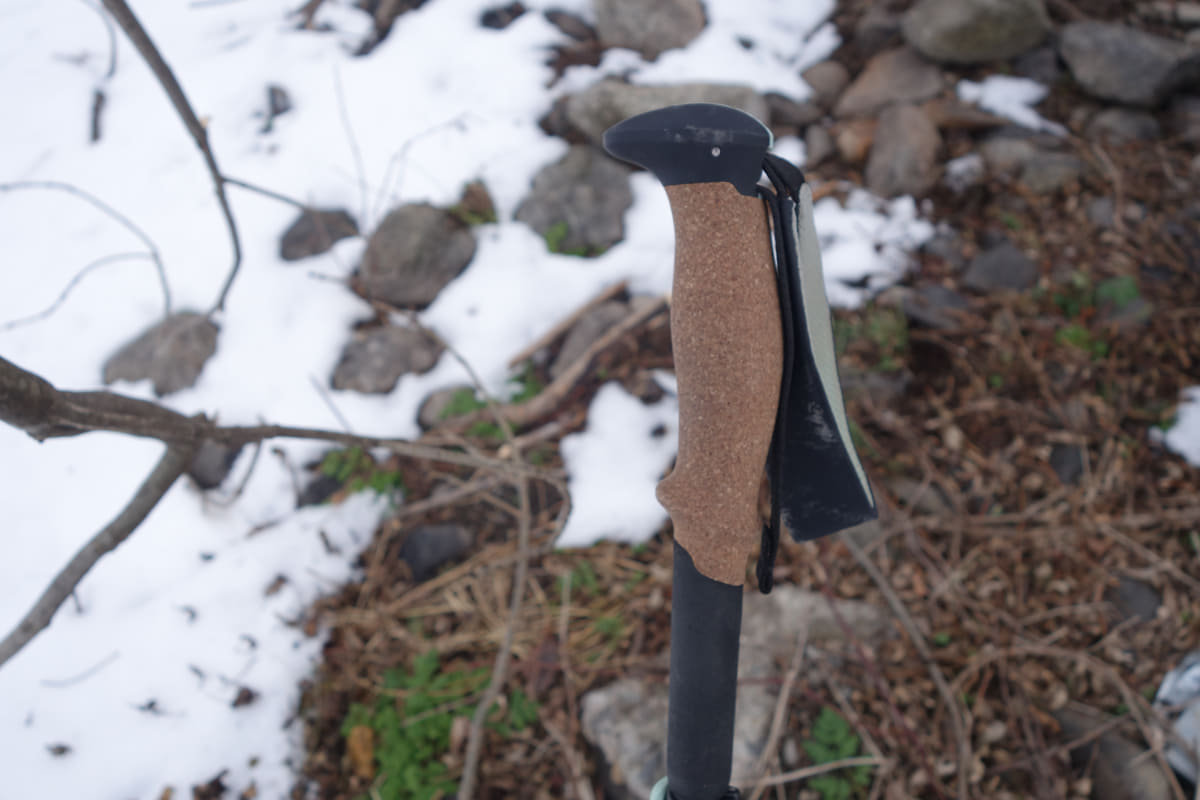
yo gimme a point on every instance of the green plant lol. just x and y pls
(526, 384)
(472, 217)
(583, 579)
(610, 627)
(1080, 337)
(1119, 291)
(832, 740)
(354, 468)
(941, 639)
(883, 329)
(462, 402)
(411, 721)
(556, 237)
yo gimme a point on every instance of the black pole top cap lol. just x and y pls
(694, 143)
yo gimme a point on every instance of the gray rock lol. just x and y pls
(933, 306)
(784, 112)
(1134, 599)
(572, 25)
(1119, 769)
(1119, 125)
(1040, 64)
(818, 145)
(878, 28)
(374, 361)
(433, 407)
(212, 463)
(853, 138)
(1001, 266)
(590, 327)
(1005, 155)
(974, 31)
(964, 172)
(895, 76)
(920, 498)
(602, 105)
(585, 191)
(498, 18)
(827, 80)
(648, 26)
(627, 720)
(171, 354)
(1101, 212)
(1115, 62)
(1178, 12)
(947, 245)
(1067, 461)
(904, 154)
(416, 250)
(1049, 172)
(430, 547)
(316, 231)
(1183, 117)
(882, 388)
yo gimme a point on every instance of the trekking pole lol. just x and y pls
(758, 396)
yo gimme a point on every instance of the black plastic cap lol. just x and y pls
(694, 143)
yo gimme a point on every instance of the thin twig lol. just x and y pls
(821, 769)
(782, 704)
(105, 208)
(348, 129)
(129, 23)
(66, 292)
(918, 640)
(500, 666)
(172, 464)
(253, 187)
(566, 323)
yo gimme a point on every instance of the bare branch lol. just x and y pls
(105, 208)
(129, 23)
(174, 461)
(62, 297)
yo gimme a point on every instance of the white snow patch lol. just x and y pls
(1012, 98)
(1184, 436)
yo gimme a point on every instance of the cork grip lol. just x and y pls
(725, 332)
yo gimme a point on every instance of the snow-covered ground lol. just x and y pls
(131, 689)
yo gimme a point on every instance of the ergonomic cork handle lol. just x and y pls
(725, 323)
(727, 339)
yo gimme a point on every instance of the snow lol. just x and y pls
(137, 676)
(1184, 436)
(1012, 98)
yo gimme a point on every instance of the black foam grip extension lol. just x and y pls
(706, 621)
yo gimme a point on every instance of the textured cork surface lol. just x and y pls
(725, 332)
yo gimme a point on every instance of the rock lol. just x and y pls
(1040, 64)
(964, 172)
(951, 113)
(500, 17)
(853, 139)
(171, 354)
(1178, 12)
(882, 388)
(433, 408)
(572, 25)
(1115, 62)
(947, 245)
(827, 80)
(1005, 155)
(1048, 172)
(1067, 461)
(784, 112)
(895, 76)
(590, 327)
(818, 145)
(1101, 212)
(318, 490)
(429, 547)
(602, 105)
(904, 153)
(1119, 769)
(1119, 125)
(475, 206)
(648, 26)
(279, 102)
(920, 498)
(374, 361)
(878, 28)
(211, 464)
(579, 202)
(933, 306)
(1183, 117)
(1133, 599)
(975, 31)
(627, 720)
(316, 231)
(416, 250)
(1001, 266)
